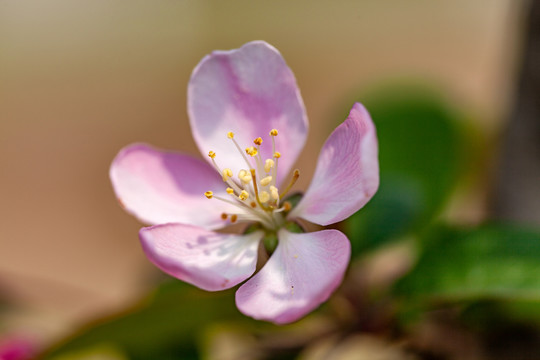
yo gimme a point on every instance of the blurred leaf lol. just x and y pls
(419, 154)
(165, 327)
(100, 352)
(491, 262)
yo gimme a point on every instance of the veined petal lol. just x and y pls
(161, 186)
(302, 273)
(347, 172)
(209, 260)
(248, 91)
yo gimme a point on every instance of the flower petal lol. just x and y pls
(160, 187)
(248, 91)
(209, 260)
(302, 273)
(347, 173)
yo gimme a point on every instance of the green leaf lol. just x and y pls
(165, 326)
(420, 149)
(491, 262)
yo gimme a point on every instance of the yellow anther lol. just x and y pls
(257, 141)
(244, 176)
(273, 132)
(268, 165)
(243, 195)
(212, 154)
(264, 196)
(234, 217)
(230, 191)
(230, 134)
(251, 151)
(274, 192)
(277, 154)
(265, 181)
(227, 173)
(224, 216)
(209, 194)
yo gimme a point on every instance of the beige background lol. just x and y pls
(79, 80)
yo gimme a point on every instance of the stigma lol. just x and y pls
(254, 190)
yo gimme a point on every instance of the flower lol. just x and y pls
(247, 115)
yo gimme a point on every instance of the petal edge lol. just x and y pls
(347, 172)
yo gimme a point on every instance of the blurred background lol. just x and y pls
(444, 82)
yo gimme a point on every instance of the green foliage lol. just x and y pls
(164, 327)
(419, 152)
(490, 262)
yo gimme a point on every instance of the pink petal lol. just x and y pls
(248, 91)
(301, 274)
(160, 187)
(209, 260)
(347, 173)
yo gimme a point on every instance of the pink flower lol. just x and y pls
(16, 347)
(238, 99)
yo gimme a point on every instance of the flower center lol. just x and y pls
(254, 190)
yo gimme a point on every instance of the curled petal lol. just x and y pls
(302, 273)
(347, 173)
(248, 91)
(160, 187)
(209, 260)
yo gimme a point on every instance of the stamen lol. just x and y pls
(224, 216)
(256, 189)
(234, 217)
(230, 191)
(258, 141)
(286, 207)
(276, 155)
(209, 194)
(274, 192)
(251, 151)
(230, 135)
(268, 165)
(243, 195)
(253, 204)
(244, 176)
(296, 175)
(212, 154)
(264, 196)
(227, 173)
(265, 181)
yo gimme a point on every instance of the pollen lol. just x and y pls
(258, 141)
(268, 165)
(277, 154)
(287, 206)
(251, 151)
(212, 154)
(264, 196)
(244, 176)
(273, 132)
(274, 192)
(227, 173)
(243, 195)
(230, 135)
(209, 194)
(230, 191)
(265, 181)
